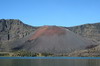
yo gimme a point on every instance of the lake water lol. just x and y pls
(49, 62)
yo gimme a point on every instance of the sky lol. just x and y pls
(51, 12)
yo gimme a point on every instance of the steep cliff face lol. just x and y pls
(12, 29)
(91, 31)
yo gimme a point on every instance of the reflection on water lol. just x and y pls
(49, 62)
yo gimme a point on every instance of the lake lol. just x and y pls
(49, 62)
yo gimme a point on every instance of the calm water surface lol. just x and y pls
(49, 62)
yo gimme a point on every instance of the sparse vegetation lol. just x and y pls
(81, 53)
(24, 53)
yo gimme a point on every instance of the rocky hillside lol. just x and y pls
(91, 31)
(93, 52)
(12, 29)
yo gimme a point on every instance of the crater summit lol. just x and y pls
(49, 31)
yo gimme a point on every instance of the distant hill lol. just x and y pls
(91, 31)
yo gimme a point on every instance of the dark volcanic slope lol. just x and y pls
(52, 39)
(11, 30)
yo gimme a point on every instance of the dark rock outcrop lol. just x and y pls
(13, 29)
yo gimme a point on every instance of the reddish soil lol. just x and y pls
(48, 30)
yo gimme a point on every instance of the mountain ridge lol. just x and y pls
(91, 31)
(12, 30)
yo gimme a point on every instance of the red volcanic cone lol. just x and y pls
(49, 31)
